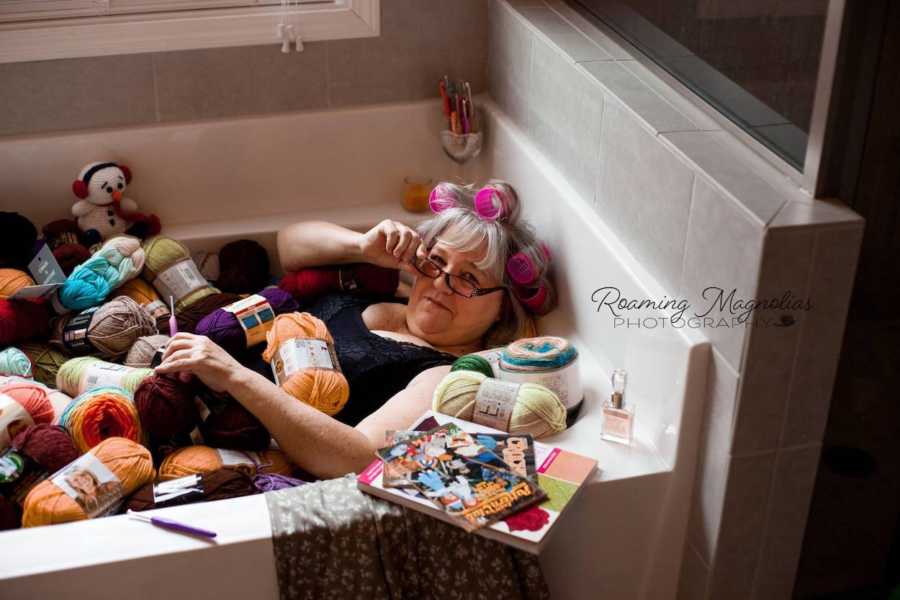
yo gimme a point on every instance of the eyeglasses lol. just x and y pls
(458, 285)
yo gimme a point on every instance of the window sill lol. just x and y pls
(130, 34)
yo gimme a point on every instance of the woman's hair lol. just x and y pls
(503, 237)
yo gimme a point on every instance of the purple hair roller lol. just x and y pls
(492, 203)
(521, 268)
(441, 198)
(534, 299)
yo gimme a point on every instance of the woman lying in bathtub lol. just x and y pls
(392, 354)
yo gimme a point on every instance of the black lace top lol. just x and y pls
(375, 367)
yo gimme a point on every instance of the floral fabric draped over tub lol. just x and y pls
(333, 541)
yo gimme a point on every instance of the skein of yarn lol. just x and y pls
(220, 484)
(143, 293)
(244, 323)
(144, 350)
(196, 460)
(22, 403)
(170, 269)
(22, 320)
(534, 408)
(243, 267)
(190, 316)
(473, 362)
(119, 259)
(227, 424)
(301, 352)
(110, 329)
(45, 362)
(13, 280)
(81, 490)
(308, 284)
(99, 414)
(50, 447)
(546, 360)
(17, 241)
(15, 362)
(79, 375)
(166, 406)
(270, 483)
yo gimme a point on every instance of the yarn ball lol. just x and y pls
(144, 349)
(233, 427)
(48, 504)
(143, 293)
(223, 327)
(196, 460)
(48, 446)
(270, 483)
(220, 484)
(78, 375)
(243, 267)
(162, 253)
(22, 320)
(99, 414)
(190, 316)
(33, 397)
(537, 410)
(13, 280)
(324, 389)
(17, 241)
(119, 259)
(310, 283)
(45, 361)
(113, 328)
(473, 362)
(15, 362)
(166, 406)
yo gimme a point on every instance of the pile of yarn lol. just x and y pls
(323, 386)
(23, 402)
(130, 462)
(101, 413)
(243, 267)
(119, 259)
(170, 269)
(222, 326)
(310, 283)
(109, 330)
(15, 362)
(537, 410)
(81, 374)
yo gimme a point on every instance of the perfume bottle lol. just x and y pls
(618, 419)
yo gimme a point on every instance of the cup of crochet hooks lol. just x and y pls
(461, 147)
(463, 137)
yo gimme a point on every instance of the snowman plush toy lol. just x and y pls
(101, 206)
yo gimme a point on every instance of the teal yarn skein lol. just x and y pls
(14, 362)
(119, 259)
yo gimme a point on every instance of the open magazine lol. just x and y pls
(503, 486)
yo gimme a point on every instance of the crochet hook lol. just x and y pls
(173, 322)
(172, 525)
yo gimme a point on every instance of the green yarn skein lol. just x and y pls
(473, 362)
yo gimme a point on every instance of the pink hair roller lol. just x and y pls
(521, 267)
(536, 300)
(492, 203)
(441, 198)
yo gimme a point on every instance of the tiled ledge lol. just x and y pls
(684, 124)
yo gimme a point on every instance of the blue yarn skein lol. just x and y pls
(119, 259)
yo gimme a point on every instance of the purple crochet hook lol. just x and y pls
(172, 525)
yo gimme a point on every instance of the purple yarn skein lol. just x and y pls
(270, 482)
(223, 328)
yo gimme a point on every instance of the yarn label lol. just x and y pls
(297, 354)
(13, 419)
(45, 268)
(157, 309)
(12, 465)
(91, 485)
(177, 491)
(256, 317)
(104, 375)
(231, 458)
(179, 280)
(494, 403)
(75, 332)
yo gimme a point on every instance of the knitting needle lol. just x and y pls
(172, 525)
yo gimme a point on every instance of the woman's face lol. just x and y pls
(438, 315)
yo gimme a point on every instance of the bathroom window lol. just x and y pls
(758, 63)
(47, 29)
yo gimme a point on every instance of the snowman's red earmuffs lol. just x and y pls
(80, 186)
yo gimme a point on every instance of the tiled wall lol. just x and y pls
(419, 42)
(698, 209)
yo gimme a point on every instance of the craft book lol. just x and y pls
(560, 474)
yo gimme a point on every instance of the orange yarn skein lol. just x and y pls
(322, 388)
(48, 504)
(197, 460)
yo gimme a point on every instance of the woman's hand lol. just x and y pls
(391, 244)
(197, 355)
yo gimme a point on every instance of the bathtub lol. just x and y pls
(212, 182)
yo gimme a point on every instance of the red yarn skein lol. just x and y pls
(49, 446)
(166, 406)
(22, 320)
(312, 282)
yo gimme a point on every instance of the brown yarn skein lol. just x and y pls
(114, 327)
